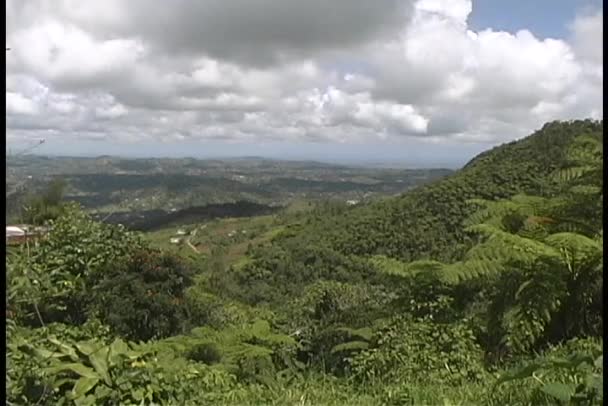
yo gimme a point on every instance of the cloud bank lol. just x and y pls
(346, 71)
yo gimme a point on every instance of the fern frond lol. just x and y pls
(523, 329)
(585, 156)
(388, 265)
(499, 251)
(569, 174)
(600, 238)
(537, 299)
(395, 267)
(579, 247)
(494, 210)
(591, 190)
(502, 246)
(468, 270)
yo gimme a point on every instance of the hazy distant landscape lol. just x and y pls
(150, 187)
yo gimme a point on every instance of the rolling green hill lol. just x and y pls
(420, 299)
(425, 223)
(428, 221)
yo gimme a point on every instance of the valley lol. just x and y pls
(458, 290)
(137, 188)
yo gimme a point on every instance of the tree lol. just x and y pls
(55, 277)
(39, 209)
(142, 297)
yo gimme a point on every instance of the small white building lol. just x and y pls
(175, 240)
(18, 234)
(14, 232)
(181, 232)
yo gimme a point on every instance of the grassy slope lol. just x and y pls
(232, 236)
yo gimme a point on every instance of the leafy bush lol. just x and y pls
(91, 373)
(522, 274)
(207, 353)
(143, 297)
(51, 282)
(418, 350)
(571, 373)
(39, 209)
(252, 352)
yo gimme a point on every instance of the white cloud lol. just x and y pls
(68, 56)
(587, 29)
(128, 71)
(457, 11)
(115, 111)
(18, 104)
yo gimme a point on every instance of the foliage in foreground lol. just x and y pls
(515, 320)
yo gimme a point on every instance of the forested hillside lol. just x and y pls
(484, 288)
(428, 222)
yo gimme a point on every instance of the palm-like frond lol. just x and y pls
(585, 159)
(493, 211)
(395, 267)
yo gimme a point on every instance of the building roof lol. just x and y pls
(13, 231)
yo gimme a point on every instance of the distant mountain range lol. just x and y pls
(114, 184)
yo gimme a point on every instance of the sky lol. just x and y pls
(418, 82)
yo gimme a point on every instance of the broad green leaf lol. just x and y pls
(99, 361)
(560, 391)
(599, 362)
(572, 361)
(519, 373)
(598, 385)
(60, 382)
(118, 349)
(64, 348)
(83, 385)
(46, 354)
(138, 394)
(89, 400)
(74, 367)
(88, 347)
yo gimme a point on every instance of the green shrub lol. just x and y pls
(52, 282)
(143, 297)
(62, 372)
(207, 353)
(420, 350)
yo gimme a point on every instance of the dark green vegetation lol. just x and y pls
(136, 187)
(158, 219)
(481, 288)
(38, 209)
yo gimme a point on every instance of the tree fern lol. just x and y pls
(395, 267)
(537, 300)
(492, 212)
(540, 238)
(585, 159)
(358, 339)
(549, 247)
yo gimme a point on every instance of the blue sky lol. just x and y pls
(127, 100)
(544, 18)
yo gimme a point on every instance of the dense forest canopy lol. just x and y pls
(484, 287)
